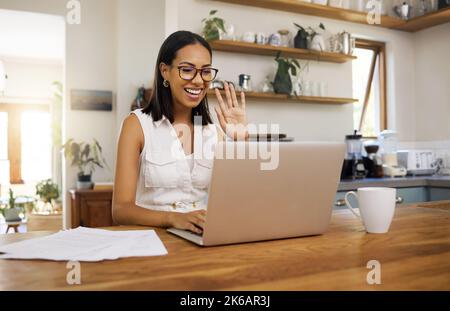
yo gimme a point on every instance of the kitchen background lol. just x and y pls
(116, 45)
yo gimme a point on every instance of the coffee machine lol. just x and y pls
(373, 162)
(353, 167)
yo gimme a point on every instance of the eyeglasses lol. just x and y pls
(188, 73)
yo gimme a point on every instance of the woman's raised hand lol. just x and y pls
(231, 114)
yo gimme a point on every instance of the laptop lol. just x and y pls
(286, 190)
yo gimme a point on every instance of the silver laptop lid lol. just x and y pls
(285, 190)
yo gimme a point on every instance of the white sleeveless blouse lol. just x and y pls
(167, 181)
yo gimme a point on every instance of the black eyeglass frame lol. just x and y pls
(215, 70)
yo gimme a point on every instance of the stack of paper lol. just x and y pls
(87, 244)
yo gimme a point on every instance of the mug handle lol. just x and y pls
(348, 205)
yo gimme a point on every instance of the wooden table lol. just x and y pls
(414, 255)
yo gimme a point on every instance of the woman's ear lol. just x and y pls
(164, 69)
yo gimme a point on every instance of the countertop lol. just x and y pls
(414, 255)
(396, 182)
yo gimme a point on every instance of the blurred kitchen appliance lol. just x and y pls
(389, 158)
(418, 162)
(353, 167)
(373, 162)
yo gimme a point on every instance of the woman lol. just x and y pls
(159, 182)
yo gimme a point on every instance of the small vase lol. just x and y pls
(282, 83)
(301, 40)
(317, 43)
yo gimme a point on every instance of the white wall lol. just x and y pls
(30, 81)
(432, 84)
(140, 32)
(302, 121)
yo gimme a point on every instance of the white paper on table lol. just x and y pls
(87, 244)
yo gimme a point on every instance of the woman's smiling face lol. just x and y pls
(187, 62)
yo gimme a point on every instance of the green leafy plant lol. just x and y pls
(212, 25)
(85, 157)
(47, 190)
(282, 83)
(11, 211)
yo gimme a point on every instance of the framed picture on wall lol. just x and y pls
(91, 100)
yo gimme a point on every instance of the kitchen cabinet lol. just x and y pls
(439, 194)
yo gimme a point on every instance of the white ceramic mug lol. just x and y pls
(376, 207)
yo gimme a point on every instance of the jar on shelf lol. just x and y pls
(285, 37)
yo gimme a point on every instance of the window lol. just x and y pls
(4, 164)
(369, 86)
(3, 136)
(36, 146)
(25, 142)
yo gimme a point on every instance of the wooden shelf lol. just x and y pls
(298, 99)
(296, 6)
(426, 21)
(269, 50)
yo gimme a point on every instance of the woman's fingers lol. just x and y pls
(243, 100)
(228, 95)
(222, 105)
(193, 228)
(221, 118)
(233, 96)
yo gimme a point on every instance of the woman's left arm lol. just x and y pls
(231, 115)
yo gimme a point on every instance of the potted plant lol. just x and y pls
(48, 192)
(85, 157)
(282, 83)
(212, 26)
(11, 212)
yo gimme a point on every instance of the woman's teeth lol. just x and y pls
(193, 91)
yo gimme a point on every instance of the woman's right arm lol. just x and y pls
(124, 210)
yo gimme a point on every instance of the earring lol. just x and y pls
(166, 83)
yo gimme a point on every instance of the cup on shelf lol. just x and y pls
(321, 2)
(315, 88)
(275, 39)
(249, 37)
(261, 38)
(306, 88)
(336, 3)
